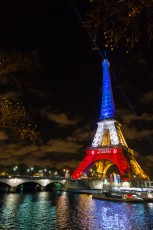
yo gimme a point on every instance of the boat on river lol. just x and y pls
(120, 196)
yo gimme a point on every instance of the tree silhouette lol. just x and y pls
(15, 122)
(13, 62)
(122, 22)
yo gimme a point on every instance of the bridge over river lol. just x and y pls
(46, 183)
(13, 183)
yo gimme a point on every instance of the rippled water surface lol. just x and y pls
(61, 210)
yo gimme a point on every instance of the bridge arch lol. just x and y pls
(54, 186)
(28, 186)
(4, 187)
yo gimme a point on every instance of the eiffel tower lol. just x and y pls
(109, 146)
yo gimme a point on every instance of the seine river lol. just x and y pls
(66, 211)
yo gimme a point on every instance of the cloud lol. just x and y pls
(39, 92)
(138, 59)
(15, 150)
(145, 116)
(133, 125)
(128, 117)
(61, 146)
(147, 98)
(70, 163)
(81, 134)
(150, 158)
(11, 153)
(135, 134)
(61, 119)
(54, 153)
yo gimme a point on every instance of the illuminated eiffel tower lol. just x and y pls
(109, 144)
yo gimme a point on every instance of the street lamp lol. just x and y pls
(15, 168)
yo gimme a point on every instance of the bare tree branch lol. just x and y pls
(15, 122)
(11, 62)
(121, 21)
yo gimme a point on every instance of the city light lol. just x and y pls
(15, 168)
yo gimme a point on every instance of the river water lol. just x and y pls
(67, 211)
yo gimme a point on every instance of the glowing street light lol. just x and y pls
(15, 168)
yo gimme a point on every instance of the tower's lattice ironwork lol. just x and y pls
(109, 143)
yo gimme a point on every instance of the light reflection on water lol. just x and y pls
(68, 211)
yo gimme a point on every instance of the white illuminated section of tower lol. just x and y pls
(106, 125)
(113, 133)
(99, 134)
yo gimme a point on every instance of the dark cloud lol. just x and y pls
(61, 145)
(147, 98)
(134, 121)
(61, 119)
(138, 59)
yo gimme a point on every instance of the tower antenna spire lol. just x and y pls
(107, 104)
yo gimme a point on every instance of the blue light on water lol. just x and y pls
(54, 211)
(107, 105)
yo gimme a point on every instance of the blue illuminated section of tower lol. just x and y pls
(107, 105)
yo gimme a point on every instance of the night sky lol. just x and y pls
(63, 95)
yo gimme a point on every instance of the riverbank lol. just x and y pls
(131, 196)
(81, 191)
